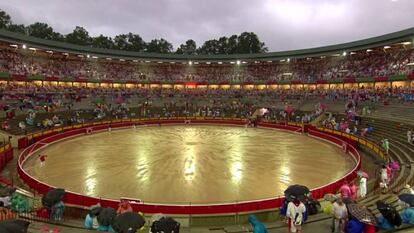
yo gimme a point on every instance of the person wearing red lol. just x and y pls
(353, 189)
(295, 213)
(345, 190)
(42, 159)
(124, 207)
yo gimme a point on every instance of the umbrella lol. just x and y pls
(165, 225)
(128, 222)
(52, 197)
(407, 198)
(389, 213)
(363, 174)
(362, 214)
(348, 200)
(296, 191)
(106, 216)
(14, 226)
(95, 211)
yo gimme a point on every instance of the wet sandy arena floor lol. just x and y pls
(183, 164)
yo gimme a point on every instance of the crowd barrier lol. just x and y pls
(36, 141)
(6, 155)
(358, 140)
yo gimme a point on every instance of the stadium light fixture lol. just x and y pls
(352, 53)
(14, 45)
(232, 62)
(33, 49)
(121, 59)
(344, 54)
(147, 61)
(238, 62)
(135, 60)
(190, 63)
(171, 62)
(160, 62)
(406, 43)
(108, 58)
(322, 57)
(88, 56)
(24, 46)
(255, 62)
(65, 54)
(283, 60)
(288, 60)
(49, 51)
(196, 63)
(387, 47)
(244, 62)
(94, 57)
(369, 50)
(219, 62)
(270, 61)
(208, 63)
(80, 55)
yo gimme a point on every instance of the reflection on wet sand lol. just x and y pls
(181, 164)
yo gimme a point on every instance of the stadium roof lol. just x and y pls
(388, 39)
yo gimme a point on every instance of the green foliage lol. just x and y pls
(159, 46)
(103, 42)
(18, 28)
(40, 30)
(5, 19)
(247, 42)
(79, 36)
(130, 42)
(189, 48)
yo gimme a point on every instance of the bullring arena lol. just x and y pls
(189, 164)
(211, 141)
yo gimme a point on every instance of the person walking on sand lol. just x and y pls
(42, 159)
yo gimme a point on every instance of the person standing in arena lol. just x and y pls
(42, 159)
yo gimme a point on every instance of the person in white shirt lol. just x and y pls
(340, 215)
(295, 211)
(384, 176)
(362, 190)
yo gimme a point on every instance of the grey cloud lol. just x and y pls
(281, 24)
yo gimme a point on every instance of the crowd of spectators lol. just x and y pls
(378, 62)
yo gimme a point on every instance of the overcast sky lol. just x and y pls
(281, 24)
